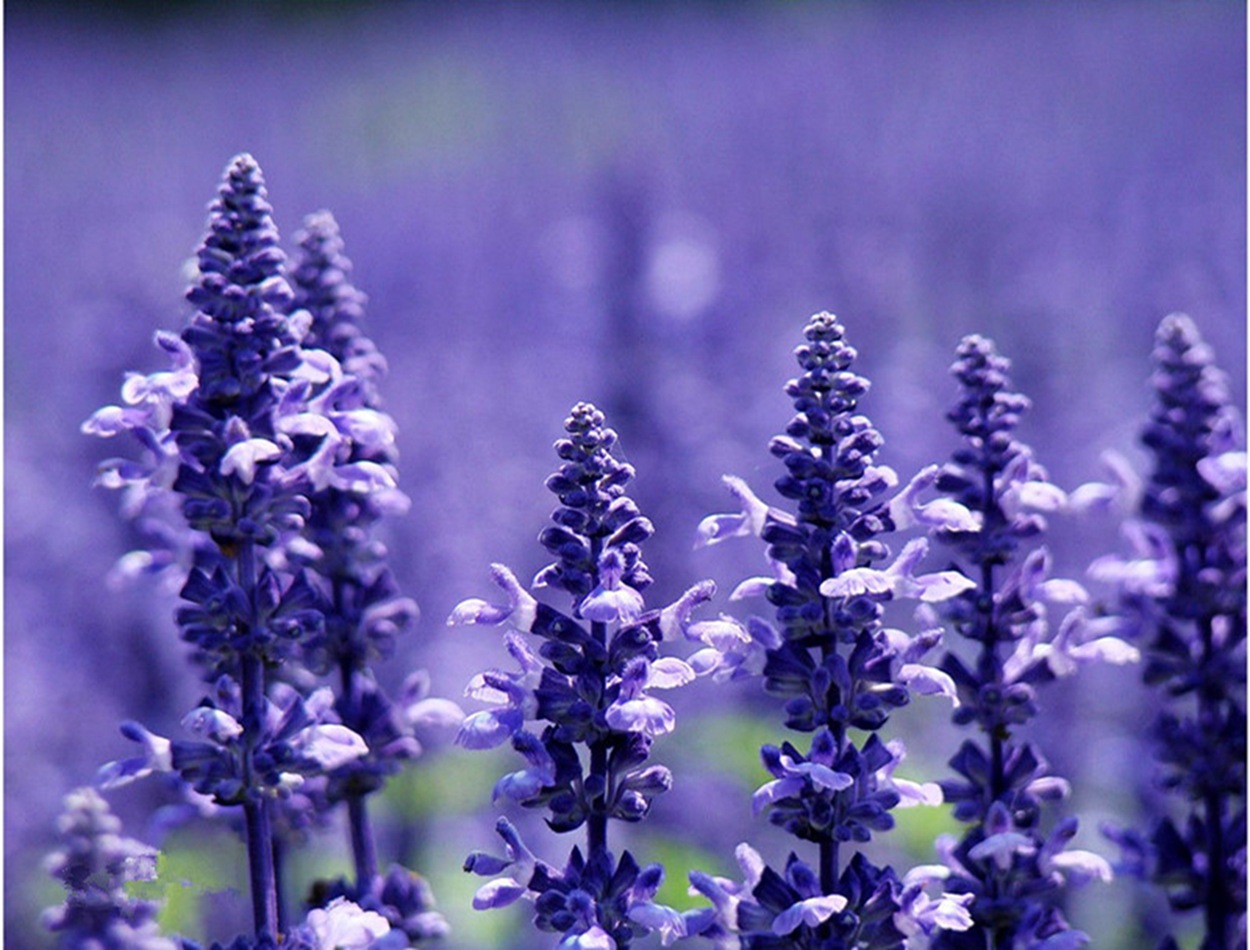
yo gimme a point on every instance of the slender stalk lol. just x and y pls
(364, 847)
(829, 846)
(597, 820)
(990, 667)
(1216, 912)
(829, 866)
(991, 671)
(256, 808)
(259, 828)
(279, 881)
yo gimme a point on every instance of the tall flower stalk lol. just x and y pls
(1184, 593)
(587, 685)
(840, 670)
(233, 434)
(353, 491)
(1010, 861)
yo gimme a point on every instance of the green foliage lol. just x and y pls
(730, 743)
(190, 866)
(458, 784)
(679, 859)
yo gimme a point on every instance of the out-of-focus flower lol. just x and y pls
(342, 925)
(299, 737)
(1000, 877)
(332, 413)
(95, 863)
(1182, 592)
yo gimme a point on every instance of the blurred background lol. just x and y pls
(638, 204)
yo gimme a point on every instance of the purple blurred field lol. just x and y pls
(634, 204)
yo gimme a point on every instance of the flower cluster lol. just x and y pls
(829, 655)
(95, 864)
(354, 488)
(279, 461)
(267, 466)
(1012, 871)
(1183, 593)
(589, 683)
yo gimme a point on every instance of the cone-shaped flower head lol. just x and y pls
(587, 684)
(322, 283)
(240, 335)
(1184, 590)
(1196, 488)
(594, 514)
(993, 498)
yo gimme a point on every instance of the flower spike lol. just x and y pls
(579, 710)
(829, 656)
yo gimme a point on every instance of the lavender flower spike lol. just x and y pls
(838, 669)
(221, 439)
(1184, 591)
(1004, 875)
(239, 436)
(95, 865)
(353, 474)
(587, 687)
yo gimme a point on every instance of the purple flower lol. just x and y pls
(612, 600)
(1001, 881)
(298, 738)
(519, 613)
(585, 689)
(796, 775)
(899, 580)
(906, 510)
(1182, 592)
(514, 692)
(633, 710)
(749, 521)
(923, 916)
(95, 864)
(343, 925)
(827, 653)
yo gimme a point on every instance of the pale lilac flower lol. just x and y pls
(1150, 571)
(612, 601)
(519, 612)
(157, 757)
(343, 925)
(907, 511)
(811, 911)
(634, 711)
(242, 458)
(1120, 495)
(899, 579)
(793, 777)
(910, 793)
(748, 521)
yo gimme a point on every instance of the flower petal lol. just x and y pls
(669, 672)
(498, 893)
(811, 912)
(644, 714)
(488, 728)
(242, 458)
(331, 745)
